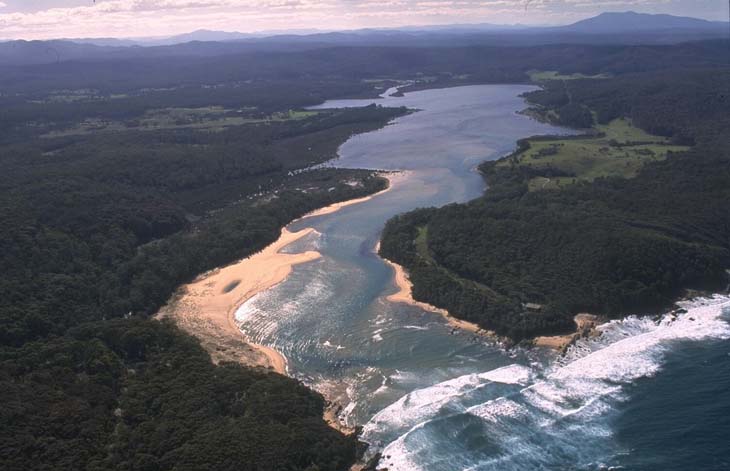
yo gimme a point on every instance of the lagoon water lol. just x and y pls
(430, 398)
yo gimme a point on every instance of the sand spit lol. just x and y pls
(206, 307)
(392, 177)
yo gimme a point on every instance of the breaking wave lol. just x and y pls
(521, 418)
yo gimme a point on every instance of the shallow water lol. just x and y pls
(428, 397)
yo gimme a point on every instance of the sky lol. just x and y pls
(44, 19)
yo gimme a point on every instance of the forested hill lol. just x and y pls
(111, 75)
(106, 211)
(615, 223)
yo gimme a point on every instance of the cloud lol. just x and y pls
(3, 4)
(125, 18)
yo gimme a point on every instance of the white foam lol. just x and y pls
(512, 374)
(329, 344)
(348, 410)
(562, 407)
(498, 409)
(415, 327)
(421, 404)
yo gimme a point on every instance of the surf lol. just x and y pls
(562, 416)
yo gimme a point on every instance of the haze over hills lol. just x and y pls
(612, 22)
(605, 23)
(607, 28)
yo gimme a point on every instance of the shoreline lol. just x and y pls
(206, 307)
(405, 295)
(586, 324)
(392, 177)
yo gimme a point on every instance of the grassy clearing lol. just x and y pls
(291, 115)
(545, 75)
(422, 244)
(211, 118)
(622, 152)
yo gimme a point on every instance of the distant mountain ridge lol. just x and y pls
(612, 22)
(605, 23)
(607, 28)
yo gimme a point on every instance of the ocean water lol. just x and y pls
(430, 398)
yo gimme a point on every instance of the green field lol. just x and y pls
(212, 118)
(421, 243)
(545, 75)
(622, 151)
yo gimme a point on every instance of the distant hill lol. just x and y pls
(113, 42)
(198, 35)
(628, 28)
(48, 52)
(618, 22)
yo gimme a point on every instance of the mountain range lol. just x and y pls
(606, 28)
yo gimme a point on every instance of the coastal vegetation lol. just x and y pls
(623, 221)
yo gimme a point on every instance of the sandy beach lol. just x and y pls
(206, 307)
(393, 179)
(585, 326)
(405, 295)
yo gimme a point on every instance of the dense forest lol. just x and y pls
(101, 223)
(609, 246)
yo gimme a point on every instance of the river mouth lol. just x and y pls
(330, 318)
(431, 397)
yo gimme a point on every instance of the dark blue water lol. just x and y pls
(640, 397)
(434, 400)
(680, 419)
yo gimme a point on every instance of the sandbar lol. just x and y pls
(206, 307)
(393, 178)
